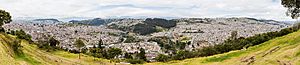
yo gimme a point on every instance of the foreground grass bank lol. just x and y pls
(34, 56)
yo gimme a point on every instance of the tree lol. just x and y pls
(141, 55)
(100, 43)
(4, 17)
(129, 39)
(128, 56)
(22, 35)
(2, 29)
(79, 44)
(16, 46)
(234, 35)
(113, 52)
(53, 42)
(293, 8)
(162, 57)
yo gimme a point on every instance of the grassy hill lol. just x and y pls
(278, 51)
(33, 56)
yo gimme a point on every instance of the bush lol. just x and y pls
(16, 46)
(141, 55)
(162, 58)
(22, 35)
(130, 39)
(2, 29)
(49, 44)
(112, 53)
(53, 42)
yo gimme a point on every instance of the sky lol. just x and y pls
(261, 9)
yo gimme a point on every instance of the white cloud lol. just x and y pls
(267, 9)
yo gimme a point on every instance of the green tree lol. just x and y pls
(79, 44)
(22, 35)
(293, 8)
(128, 56)
(141, 55)
(100, 43)
(162, 58)
(129, 39)
(181, 55)
(4, 17)
(113, 52)
(53, 42)
(16, 46)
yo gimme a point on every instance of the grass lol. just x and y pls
(32, 55)
(6, 55)
(288, 52)
(27, 59)
(223, 57)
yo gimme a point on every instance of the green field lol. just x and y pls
(281, 50)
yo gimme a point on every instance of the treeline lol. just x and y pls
(48, 44)
(100, 51)
(230, 44)
(168, 45)
(20, 34)
(116, 54)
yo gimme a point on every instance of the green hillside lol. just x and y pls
(33, 56)
(283, 50)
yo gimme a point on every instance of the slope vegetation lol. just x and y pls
(33, 56)
(283, 50)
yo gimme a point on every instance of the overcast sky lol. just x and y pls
(266, 9)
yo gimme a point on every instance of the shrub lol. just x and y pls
(112, 52)
(135, 61)
(162, 58)
(22, 35)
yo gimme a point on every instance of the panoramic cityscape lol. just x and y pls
(179, 32)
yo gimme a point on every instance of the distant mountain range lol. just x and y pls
(272, 21)
(94, 22)
(100, 21)
(45, 21)
(52, 20)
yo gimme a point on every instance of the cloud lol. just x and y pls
(267, 9)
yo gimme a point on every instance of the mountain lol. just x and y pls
(160, 22)
(142, 27)
(94, 22)
(54, 20)
(279, 51)
(270, 21)
(45, 21)
(66, 19)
